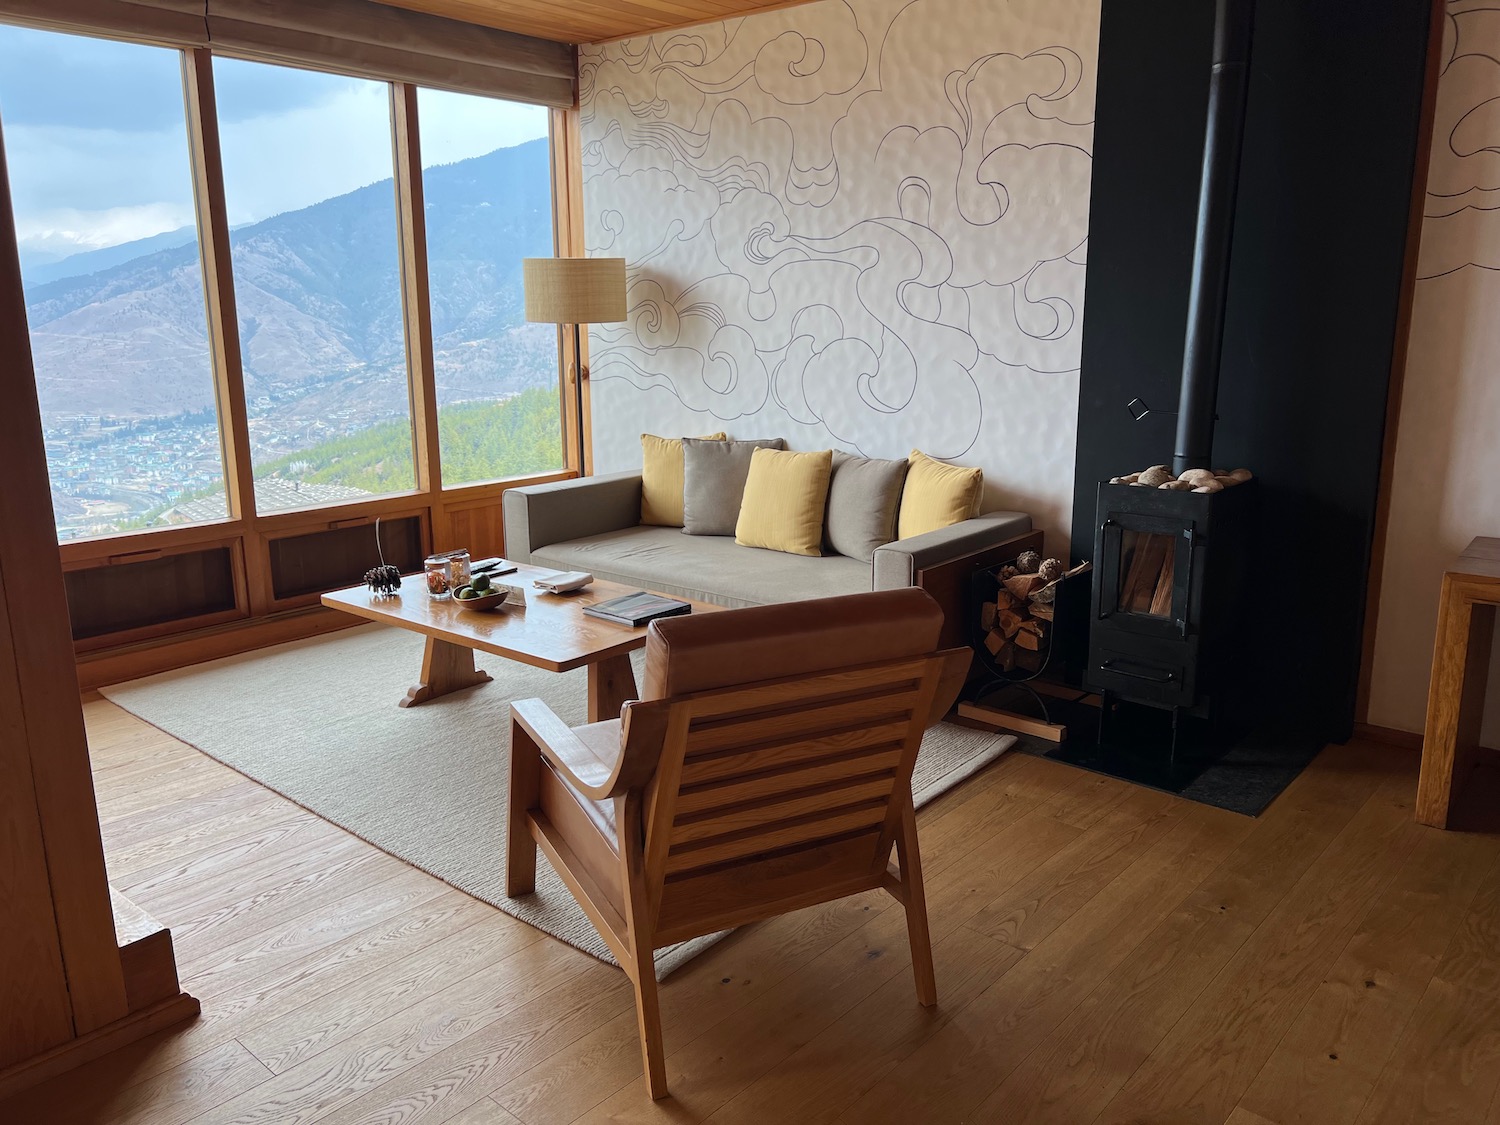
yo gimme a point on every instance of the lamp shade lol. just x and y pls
(574, 290)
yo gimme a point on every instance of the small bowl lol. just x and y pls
(487, 602)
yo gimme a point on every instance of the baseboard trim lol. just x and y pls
(114, 666)
(86, 1048)
(1405, 739)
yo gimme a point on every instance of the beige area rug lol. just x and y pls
(318, 722)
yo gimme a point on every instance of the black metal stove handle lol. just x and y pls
(1118, 667)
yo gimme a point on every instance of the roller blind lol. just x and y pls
(356, 37)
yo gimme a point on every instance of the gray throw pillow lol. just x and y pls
(713, 482)
(864, 496)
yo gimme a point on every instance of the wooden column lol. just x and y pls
(61, 978)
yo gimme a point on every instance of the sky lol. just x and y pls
(96, 140)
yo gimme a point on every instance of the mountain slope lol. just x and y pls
(318, 296)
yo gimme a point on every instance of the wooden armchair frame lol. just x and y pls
(730, 806)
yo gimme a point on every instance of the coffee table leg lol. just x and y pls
(446, 667)
(611, 684)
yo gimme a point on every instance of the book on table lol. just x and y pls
(637, 608)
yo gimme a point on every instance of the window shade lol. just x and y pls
(356, 37)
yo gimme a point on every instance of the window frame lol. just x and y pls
(462, 516)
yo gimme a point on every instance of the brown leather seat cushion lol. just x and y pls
(745, 646)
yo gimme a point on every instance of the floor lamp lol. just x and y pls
(575, 291)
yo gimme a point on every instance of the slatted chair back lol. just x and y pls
(787, 790)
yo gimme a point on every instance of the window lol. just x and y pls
(312, 207)
(100, 179)
(295, 194)
(487, 187)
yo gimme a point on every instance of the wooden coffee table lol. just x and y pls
(552, 632)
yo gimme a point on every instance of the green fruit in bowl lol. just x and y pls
(466, 594)
(482, 583)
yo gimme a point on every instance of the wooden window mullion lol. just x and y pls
(223, 319)
(416, 302)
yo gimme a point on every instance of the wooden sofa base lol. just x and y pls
(948, 583)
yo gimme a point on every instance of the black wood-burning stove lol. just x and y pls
(1169, 570)
(1168, 565)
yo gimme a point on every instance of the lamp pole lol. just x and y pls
(578, 395)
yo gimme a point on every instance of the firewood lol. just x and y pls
(1147, 560)
(994, 642)
(1022, 584)
(1161, 598)
(1010, 622)
(1005, 600)
(1042, 612)
(1030, 661)
(1028, 640)
(1034, 627)
(987, 614)
(1005, 659)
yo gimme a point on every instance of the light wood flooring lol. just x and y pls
(1104, 954)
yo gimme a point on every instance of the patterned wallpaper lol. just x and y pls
(1443, 490)
(857, 223)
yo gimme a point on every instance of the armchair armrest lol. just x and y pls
(595, 775)
(898, 564)
(539, 514)
(955, 670)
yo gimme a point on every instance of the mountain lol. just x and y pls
(319, 302)
(38, 270)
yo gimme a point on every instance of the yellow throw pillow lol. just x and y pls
(661, 479)
(936, 495)
(782, 507)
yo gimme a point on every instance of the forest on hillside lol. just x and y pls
(479, 440)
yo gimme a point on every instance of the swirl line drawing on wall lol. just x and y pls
(1460, 228)
(869, 216)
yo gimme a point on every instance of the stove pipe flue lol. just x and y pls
(1216, 199)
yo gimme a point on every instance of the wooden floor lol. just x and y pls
(1104, 953)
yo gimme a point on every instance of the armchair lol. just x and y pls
(766, 768)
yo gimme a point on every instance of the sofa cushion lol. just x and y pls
(864, 495)
(937, 495)
(713, 476)
(661, 479)
(708, 568)
(785, 494)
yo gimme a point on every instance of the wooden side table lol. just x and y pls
(1460, 670)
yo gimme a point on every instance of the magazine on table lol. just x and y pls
(638, 608)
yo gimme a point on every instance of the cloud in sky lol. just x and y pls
(97, 146)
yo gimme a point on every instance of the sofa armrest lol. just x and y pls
(539, 514)
(898, 564)
(943, 562)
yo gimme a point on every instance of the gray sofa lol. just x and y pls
(593, 524)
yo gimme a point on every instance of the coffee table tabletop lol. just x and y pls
(551, 632)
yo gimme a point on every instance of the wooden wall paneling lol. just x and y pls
(1414, 214)
(473, 512)
(328, 556)
(184, 591)
(411, 218)
(95, 551)
(478, 527)
(128, 662)
(44, 718)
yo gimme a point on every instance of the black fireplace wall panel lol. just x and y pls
(1315, 277)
